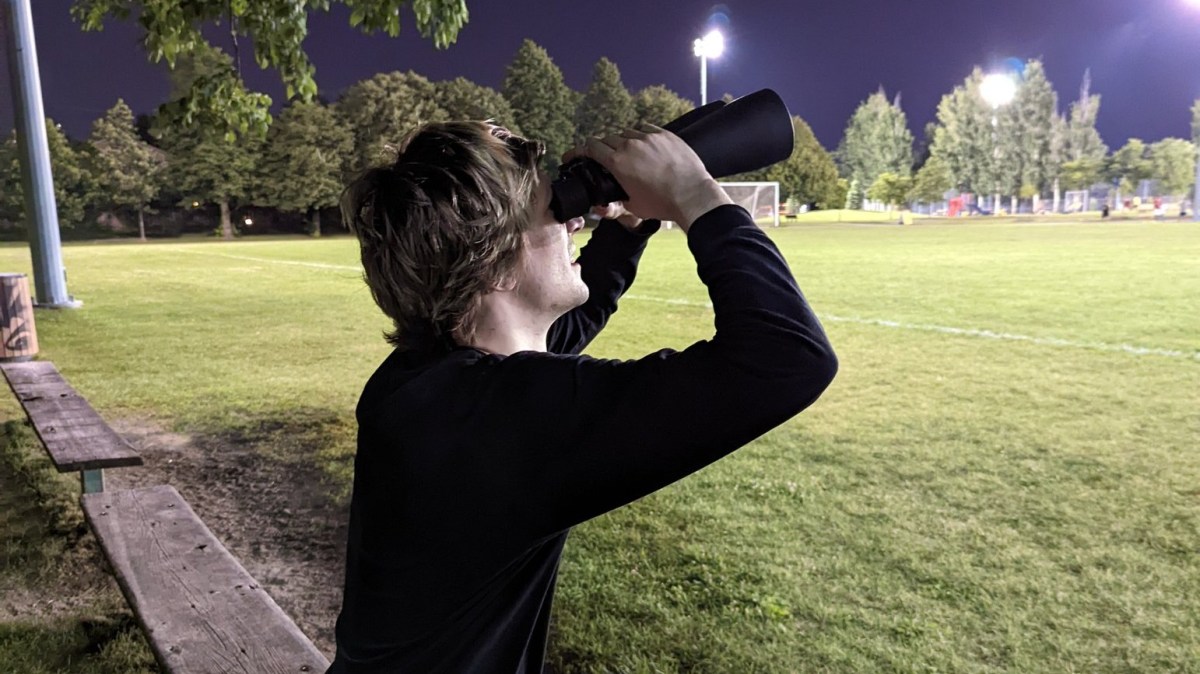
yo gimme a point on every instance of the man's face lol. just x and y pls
(548, 280)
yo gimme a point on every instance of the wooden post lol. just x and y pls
(18, 336)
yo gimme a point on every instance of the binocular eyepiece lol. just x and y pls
(746, 134)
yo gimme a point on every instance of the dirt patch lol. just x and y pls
(276, 516)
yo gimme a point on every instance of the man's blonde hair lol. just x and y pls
(442, 226)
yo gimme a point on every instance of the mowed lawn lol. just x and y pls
(1005, 475)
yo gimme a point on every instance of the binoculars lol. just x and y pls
(746, 134)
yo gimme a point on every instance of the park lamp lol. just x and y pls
(710, 46)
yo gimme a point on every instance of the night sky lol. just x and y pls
(824, 56)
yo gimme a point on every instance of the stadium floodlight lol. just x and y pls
(998, 89)
(710, 46)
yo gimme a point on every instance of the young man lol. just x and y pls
(485, 437)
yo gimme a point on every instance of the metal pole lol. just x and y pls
(1196, 196)
(703, 79)
(49, 278)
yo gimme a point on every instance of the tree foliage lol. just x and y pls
(658, 105)
(542, 102)
(1129, 165)
(809, 174)
(72, 180)
(965, 139)
(876, 141)
(1196, 122)
(1173, 163)
(931, 182)
(382, 110)
(125, 167)
(1081, 139)
(303, 164)
(606, 106)
(219, 100)
(890, 188)
(461, 98)
(1081, 174)
(1026, 131)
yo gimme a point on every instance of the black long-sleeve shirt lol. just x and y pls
(472, 468)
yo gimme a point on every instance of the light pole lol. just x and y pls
(1196, 194)
(41, 213)
(708, 47)
(997, 89)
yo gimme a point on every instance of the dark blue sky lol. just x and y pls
(823, 56)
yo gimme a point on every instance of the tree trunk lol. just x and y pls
(226, 223)
(996, 204)
(1057, 196)
(314, 222)
(1036, 198)
(1012, 205)
(141, 224)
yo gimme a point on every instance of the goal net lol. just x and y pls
(1075, 201)
(761, 200)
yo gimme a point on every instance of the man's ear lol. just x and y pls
(505, 284)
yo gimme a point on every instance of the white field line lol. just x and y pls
(967, 332)
(879, 322)
(295, 263)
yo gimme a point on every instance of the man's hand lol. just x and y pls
(616, 211)
(662, 175)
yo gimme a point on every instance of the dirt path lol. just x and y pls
(274, 516)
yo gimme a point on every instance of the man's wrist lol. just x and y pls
(708, 196)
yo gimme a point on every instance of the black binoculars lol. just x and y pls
(746, 134)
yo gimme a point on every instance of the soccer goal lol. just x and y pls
(761, 200)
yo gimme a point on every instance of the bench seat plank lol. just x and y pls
(200, 609)
(75, 436)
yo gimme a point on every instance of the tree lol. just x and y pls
(219, 100)
(383, 110)
(1173, 163)
(1081, 174)
(542, 102)
(931, 182)
(1196, 122)
(304, 161)
(809, 174)
(1081, 139)
(1027, 127)
(124, 166)
(72, 182)
(876, 141)
(461, 98)
(1129, 166)
(964, 139)
(606, 107)
(658, 105)
(890, 189)
(208, 168)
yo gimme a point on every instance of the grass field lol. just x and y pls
(1003, 478)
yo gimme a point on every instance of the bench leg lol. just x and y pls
(92, 480)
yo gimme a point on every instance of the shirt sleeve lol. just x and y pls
(608, 432)
(608, 265)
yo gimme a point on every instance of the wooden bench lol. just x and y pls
(74, 435)
(200, 609)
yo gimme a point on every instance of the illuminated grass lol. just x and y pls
(953, 503)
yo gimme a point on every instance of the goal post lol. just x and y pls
(760, 199)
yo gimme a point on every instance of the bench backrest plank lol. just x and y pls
(73, 433)
(200, 609)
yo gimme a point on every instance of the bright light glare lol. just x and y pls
(712, 45)
(999, 89)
